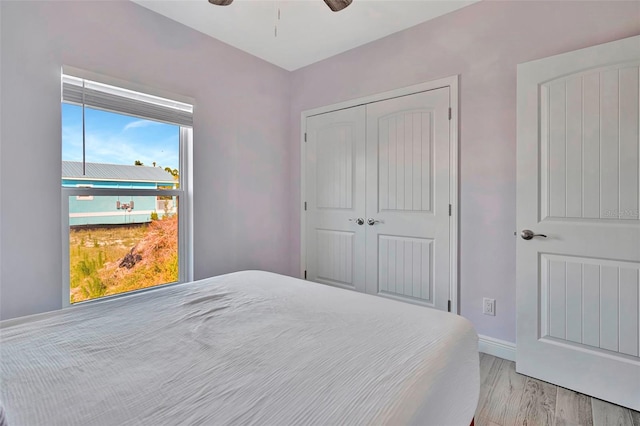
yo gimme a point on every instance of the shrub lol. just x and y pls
(94, 288)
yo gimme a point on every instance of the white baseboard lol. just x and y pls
(496, 347)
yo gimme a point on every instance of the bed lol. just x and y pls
(250, 347)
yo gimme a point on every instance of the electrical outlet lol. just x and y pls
(489, 306)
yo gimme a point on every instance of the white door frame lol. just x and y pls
(452, 82)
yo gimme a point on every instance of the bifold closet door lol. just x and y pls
(335, 197)
(377, 198)
(408, 222)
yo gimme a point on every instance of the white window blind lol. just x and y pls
(101, 96)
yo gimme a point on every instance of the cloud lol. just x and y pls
(108, 142)
(119, 149)
(139, 123)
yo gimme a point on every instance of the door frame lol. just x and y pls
(452, 82)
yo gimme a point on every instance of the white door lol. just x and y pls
(408, 220)
(578, 293)
(377, 198)
(335, 198)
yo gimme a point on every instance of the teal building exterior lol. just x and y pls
(116, 210)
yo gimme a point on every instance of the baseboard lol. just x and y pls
(497, 347)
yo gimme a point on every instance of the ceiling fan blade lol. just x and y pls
(221, 2)
(336, 5)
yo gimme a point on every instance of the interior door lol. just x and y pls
(578, 293)
(335, 198)
(408, 217)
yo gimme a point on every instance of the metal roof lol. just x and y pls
(100, 171)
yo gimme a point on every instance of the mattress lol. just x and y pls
(245, 348)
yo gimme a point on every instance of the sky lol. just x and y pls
(118, 139)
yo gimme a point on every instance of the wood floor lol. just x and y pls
(508, 398)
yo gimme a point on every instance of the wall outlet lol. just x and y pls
(489, 306)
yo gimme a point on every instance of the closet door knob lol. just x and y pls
(358, 220)
(374, 221)
(528, 234)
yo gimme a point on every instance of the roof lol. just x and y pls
(100, 171)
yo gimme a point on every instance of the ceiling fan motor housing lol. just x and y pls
(337, 5)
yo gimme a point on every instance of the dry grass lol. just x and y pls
(96, 255)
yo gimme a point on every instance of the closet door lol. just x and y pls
(408, 222)
(335, 196)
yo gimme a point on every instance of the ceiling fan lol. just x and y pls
(335, 5)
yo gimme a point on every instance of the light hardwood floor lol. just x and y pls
(508, 398)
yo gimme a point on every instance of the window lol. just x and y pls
(125, 163)
(84, 197)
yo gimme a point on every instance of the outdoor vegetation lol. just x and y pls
(111, 260)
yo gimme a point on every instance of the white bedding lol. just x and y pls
(245, 348)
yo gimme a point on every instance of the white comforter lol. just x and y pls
(245, 348)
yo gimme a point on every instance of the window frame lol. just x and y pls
(185, 217)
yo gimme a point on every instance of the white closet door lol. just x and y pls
(578, 184)
(335, 194)
(408, 222)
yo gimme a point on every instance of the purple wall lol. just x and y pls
(241, 150)
(247, 118)
(482, 43)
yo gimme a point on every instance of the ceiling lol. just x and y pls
(307, 31)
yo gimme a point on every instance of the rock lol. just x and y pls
(130, 259)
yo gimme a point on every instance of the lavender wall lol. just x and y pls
(241, 149)
(247, 116)
(482, 43)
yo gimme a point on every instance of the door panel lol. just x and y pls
(335, 173)
(335, 257)
(593, 302)
(590, 145)
(405, 161)
(335, 158)
(408, 194)
(578, 172)
(405, 267)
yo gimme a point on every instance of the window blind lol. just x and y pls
(101, 96)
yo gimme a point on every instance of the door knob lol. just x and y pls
(358, 220)
(373, 221)
(528, 234)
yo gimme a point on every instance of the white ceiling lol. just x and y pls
(308, 31)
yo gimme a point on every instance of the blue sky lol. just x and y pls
(118, 139)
